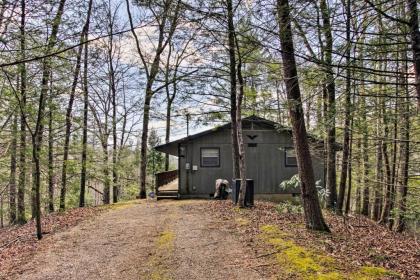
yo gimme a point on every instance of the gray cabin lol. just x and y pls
(207, 156)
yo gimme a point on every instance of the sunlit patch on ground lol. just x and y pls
(122, 205)
(242, 221)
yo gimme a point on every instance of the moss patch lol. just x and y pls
(164, 248)
(373, 272)
(165, 240)
(305, 263)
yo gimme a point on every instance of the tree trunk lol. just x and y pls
(394, 157)
(349, 185)
(114, 111)
(415, 42)
(50, 156)
(85, 109)
(378, 171)
(36, 148)
(387, 188)
(12, 178)
(233, 81)
(347, 105)
(168, 105)
(85, 124)
(66, 147)
(330, 116)
(115, 187)
(279, 118)
(384, 215)
(143, 149)
(358, 198)
(312, 210)
(401, 206)
(33, 190)
(37, 134)
(21, 219)
(241, 152)
(366, 165)
(107, 183)
(168, 131)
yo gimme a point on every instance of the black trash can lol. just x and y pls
(249, 193)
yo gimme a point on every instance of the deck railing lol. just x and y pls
(164, 178)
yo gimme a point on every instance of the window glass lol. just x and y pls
(210, 157)
(290, 157)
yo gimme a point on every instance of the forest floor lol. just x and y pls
(199, 239)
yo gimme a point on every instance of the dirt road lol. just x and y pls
(148, 240)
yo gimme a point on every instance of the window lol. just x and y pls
(210, 157)
(252, 145)
(290, 157)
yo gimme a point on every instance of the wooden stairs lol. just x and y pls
(167, 185)
(167, 195)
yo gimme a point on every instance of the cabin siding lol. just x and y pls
(265, 162)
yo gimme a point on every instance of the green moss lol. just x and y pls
(372, 272)
(327, 276)
(165, 239)
(295, 258)
(301, 260)
(273, 231)
(164, 248)
(311, 264)
(269, 229)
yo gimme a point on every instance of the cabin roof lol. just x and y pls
(172, 147)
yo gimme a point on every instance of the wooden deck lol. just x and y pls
(172, 186)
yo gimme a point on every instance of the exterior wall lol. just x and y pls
(265, 162)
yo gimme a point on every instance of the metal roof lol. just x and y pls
(172, 147)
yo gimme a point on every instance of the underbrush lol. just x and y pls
(289, 207)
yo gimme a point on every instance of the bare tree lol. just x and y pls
(38, 131)
(83, 39)
(83, 172)
(166, 17)
(21, 219)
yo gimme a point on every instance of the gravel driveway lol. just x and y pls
(147, 240)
